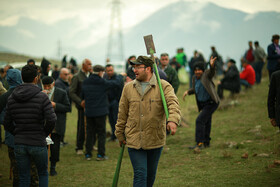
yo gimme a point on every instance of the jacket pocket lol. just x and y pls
(157, 130)
(156, 104)
(134, 107)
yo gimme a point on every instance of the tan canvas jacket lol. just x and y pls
(141, 119)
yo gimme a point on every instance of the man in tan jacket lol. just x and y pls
(142, 122)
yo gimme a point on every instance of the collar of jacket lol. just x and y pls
(152, 82)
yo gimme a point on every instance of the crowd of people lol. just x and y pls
(34, 103)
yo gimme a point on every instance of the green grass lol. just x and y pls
(245, 124)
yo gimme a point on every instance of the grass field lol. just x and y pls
(237, 129)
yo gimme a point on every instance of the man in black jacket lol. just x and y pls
(94, 93)
(61, 105)
(62, 82)
(273, 101)
(32, 112)
(231, 80)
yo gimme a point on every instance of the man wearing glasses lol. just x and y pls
(142, 122)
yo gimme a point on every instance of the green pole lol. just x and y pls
(118, 168)
(160, 86)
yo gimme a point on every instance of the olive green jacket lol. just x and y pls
(141, 119)
(172, 77)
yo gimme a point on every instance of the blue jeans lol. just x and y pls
(23, 155)
(258, 66)
(144, 164)
(244, 82)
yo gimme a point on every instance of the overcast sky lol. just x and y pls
(89, 11)
(98, 12)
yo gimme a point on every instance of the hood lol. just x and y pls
(44, 66)
(25, 92)
(14, 78)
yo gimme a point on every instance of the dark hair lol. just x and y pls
(232, 61)
(164, 54)
(31, 61)
(199, 65)
(28, 73)
(256, 43)
(109, 65)
(132, 56)
(275, 37)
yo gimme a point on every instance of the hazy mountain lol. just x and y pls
(191, 25)
(4, 49)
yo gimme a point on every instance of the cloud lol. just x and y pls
(27, 33)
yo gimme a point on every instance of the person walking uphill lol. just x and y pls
(32, 112)
(207, 101)
(141, 123)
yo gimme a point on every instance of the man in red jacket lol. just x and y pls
(247, 76)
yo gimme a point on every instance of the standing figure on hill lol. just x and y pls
(55, 72)
(247, 76)
(249, 54)
(64, 62)
(172, 76)
(207, 101)
(273, 100)
(219, 61)
(142, 122)
(231, 80)
(260, 56)
(61, 106)
(181, 57)
(273, 55)
(75, 94)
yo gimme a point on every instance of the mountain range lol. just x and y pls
(191, 25)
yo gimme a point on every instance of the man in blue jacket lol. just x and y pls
(273, 55)
(114, 96)
(95, 102)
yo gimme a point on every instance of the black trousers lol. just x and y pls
(203, 122)
(80, 130)
(113, 116)
(96, 125)
(55, 148)
(226, 86)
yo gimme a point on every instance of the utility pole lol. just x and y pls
(115, 38)
(59, 49)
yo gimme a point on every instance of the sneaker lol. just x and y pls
(198, 145)
(88, 157)
(101, 158)
(79, 152)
